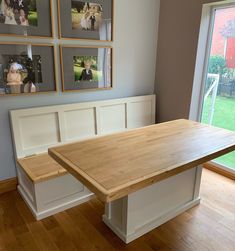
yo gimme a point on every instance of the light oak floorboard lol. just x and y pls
(8, 185)
(209, 226)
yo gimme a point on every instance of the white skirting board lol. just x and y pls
(146, 209)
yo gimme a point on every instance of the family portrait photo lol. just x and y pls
(18, 12)
(86, 16)
(20, 73)
(86, 69)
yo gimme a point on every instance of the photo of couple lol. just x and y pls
(18, 12)
(86, 16)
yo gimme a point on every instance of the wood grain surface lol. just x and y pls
(8, 185)
(116, 165)
(41, 167)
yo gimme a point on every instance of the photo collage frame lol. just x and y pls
(29, 68)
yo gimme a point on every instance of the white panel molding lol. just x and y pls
(139, 111)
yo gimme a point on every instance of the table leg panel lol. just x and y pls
(148, 208)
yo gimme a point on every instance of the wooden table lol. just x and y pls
(145, 176)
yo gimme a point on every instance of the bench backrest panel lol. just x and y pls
(36, 129)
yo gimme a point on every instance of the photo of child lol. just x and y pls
(86, 16)
(21, 74)
(87, 74)
(86, 69)
(14, 78)
(18, 12)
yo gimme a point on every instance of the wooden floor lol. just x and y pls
(210, 226)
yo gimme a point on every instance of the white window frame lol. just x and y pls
(202, 61)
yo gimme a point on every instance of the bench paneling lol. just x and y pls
(80, 123)
(37, 129)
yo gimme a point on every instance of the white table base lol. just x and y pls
(140, 212)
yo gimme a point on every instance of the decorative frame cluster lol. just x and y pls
(29, 68)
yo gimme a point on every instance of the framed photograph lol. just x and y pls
(86, 68)
(81, 19)
(26, 69)
(26, 18)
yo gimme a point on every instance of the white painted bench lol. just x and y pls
(45, 186)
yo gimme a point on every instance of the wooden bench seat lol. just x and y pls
(41, 168)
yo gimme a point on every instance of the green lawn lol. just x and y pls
(224, 117)
(33, 18)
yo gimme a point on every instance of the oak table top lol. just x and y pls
(116, 165)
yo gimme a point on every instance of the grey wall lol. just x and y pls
(135, 35)
(176, 56)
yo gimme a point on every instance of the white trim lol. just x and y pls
(197, 182)
(56, 209)
(151, 225)
(223, 4)
(27, 201)
(203, 53)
